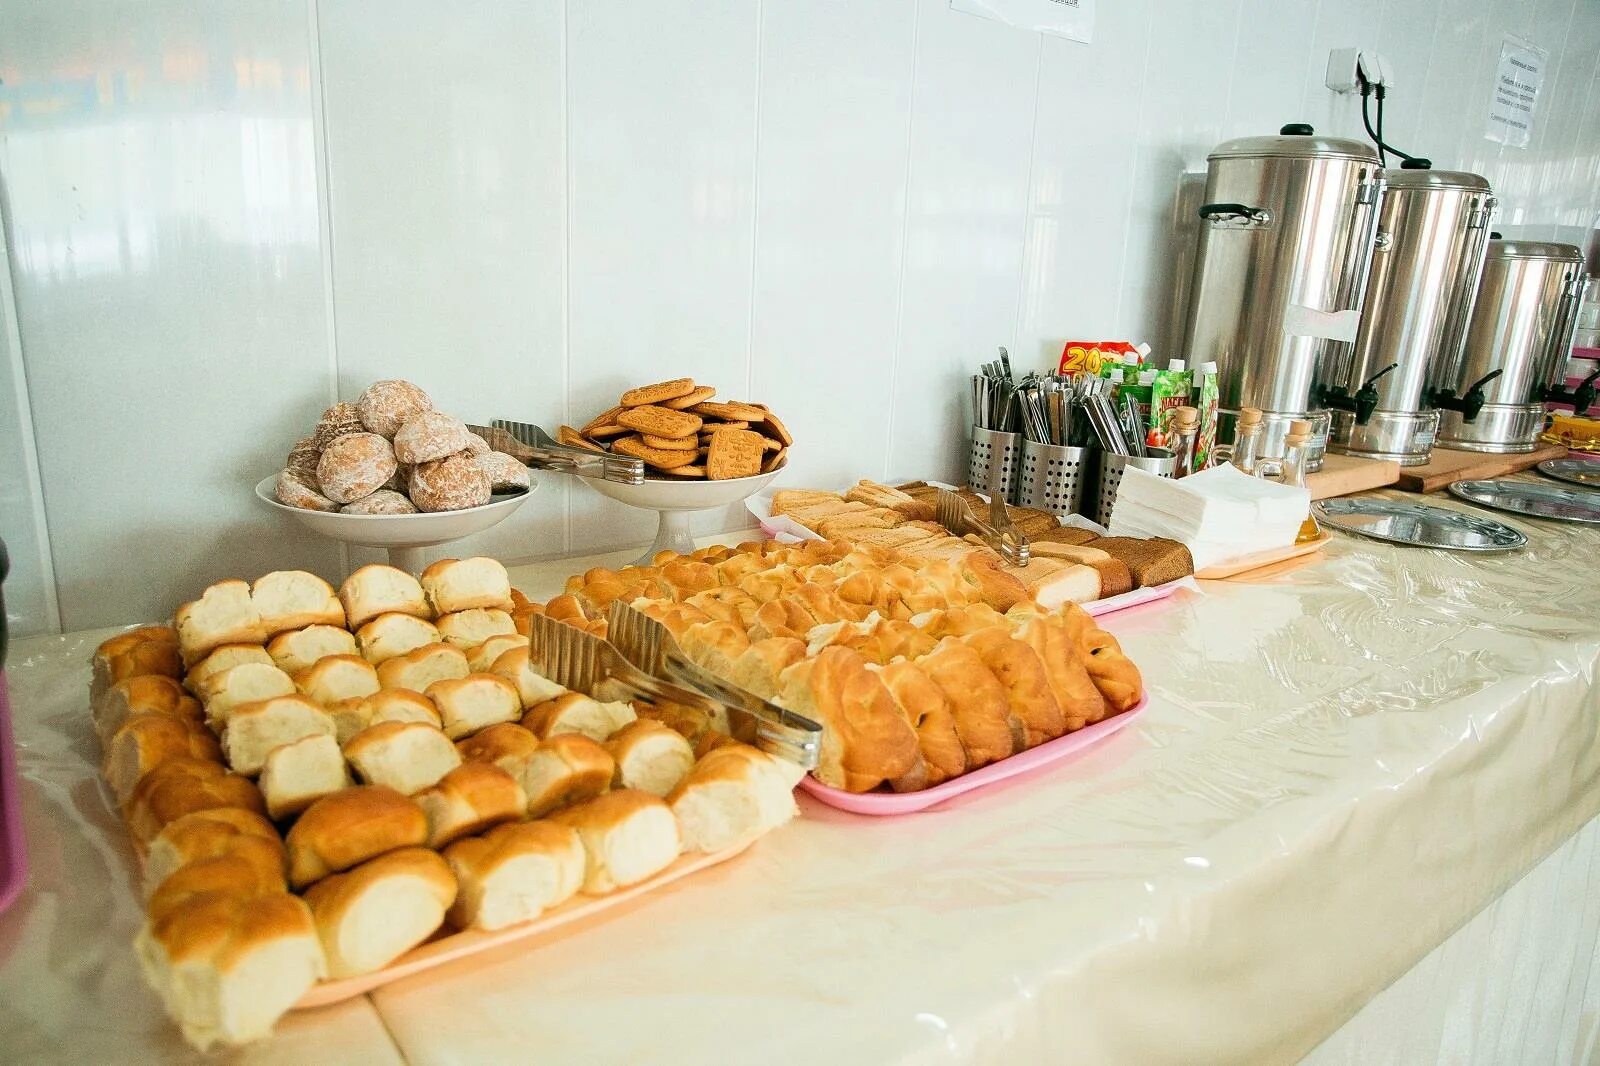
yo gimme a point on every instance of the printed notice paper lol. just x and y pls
(1073, 19)
(1516, 92)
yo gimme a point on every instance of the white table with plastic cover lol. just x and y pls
(1341, 765)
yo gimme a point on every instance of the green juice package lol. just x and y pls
(1206, 392)
(1169, 391)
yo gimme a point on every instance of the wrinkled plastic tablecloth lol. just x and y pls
(1341, 764)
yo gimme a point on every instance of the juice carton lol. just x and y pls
(1169, 391)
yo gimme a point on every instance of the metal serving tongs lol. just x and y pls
(537, 449)
(651, 647)
(953, 513)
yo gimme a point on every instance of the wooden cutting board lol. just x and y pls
(1343, 474)
(1446, 467)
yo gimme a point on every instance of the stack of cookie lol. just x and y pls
(680, 431)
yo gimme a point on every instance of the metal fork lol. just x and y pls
(651, 646)
(954, 514)
(534, 447)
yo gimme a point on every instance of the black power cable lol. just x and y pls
(1377, 134)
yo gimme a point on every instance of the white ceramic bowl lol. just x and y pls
(402, 534)
(676, 500)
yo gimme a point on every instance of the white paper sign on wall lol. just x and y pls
(1516, 92)
(1073, 19)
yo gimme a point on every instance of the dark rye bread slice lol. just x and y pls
(1150, 562)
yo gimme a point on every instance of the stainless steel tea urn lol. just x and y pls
(1492, 396)
(1286, 239)
(1432, 233)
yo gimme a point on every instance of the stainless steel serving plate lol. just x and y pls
(1417, 525)
(1535, 499)
(1576, 471)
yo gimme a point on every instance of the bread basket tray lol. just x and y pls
(1051, 752)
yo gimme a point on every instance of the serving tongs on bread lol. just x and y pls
(652, 647)
(999, 533)
(535, 448)
(577, 659)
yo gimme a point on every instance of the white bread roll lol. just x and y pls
(388, 705)
(461, 584)
(210, 834)
(732, 796)
(405, 756)
(421, 667)
(180, 787)
(573, 712)
(482, 658)
(294, 599)
(391, 635)
(242, 873)
(299, 773)
(254, 729)
(468, 800)
(468, 704)
(350, 827)
(146, 740)
(238, 685)
(627, 836)
(148, 694)
(649, 756)
(383, 908)
(146, 650)
(564, 770)
(378, 589)
(516, 666)
(337, 677)
(514, 873)
(467, 629)
(507, 745)
(224, 614)
(224, 658)
(294, 651)
(228, 966)
(1052, 582)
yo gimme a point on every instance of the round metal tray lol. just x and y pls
(1533, 498)
(1576, 471)
(1417, 525)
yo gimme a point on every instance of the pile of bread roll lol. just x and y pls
(918, 669)
(391, 453)
(318, 782)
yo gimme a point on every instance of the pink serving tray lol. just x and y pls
(13, 853)
(891, 803)
(1148, 594)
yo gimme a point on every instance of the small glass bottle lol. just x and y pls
(1291, 469)
(1185, 427)
(1246, 440)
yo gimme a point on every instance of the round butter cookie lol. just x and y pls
(430, 436)
(387, 405)
(354, 466)
(449, 484)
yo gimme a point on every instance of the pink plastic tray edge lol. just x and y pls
(13, 850)
(1136, 598)
(888, 804)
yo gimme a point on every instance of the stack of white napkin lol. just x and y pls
(1219, 513)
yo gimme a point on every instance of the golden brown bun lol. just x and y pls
(224, 658)
(468, 800)
(243, 872)
(184, 786)
(627, 836)
(513, 873)
(999, 590)
(388, 705)
(294, 599)
(481, 659)
(1075, 691)
(224, 614)
(1113, 673)
(565, 769)
(236, 686)
(383, 908)
(468, 704)
(866, 739)
(350, 827)
(516, 666)
(649, 756)
(1022, 674)
(573, 712)
(471, 627)
(227, 965)
(978, 700)
(301, 648)
(391, 635)
(212, 833)
(733, 795)
(147, 694)
(144, 741)
(406, 756)
(758, 668)
(930, 714)
(461, 584)
(418, 669)
(299, 773)
(378, 589)
(716, 645)
(337, 677)
(507, 745)
(254, 729)
(148, 657)
(114, 646)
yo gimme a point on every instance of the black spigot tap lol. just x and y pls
(1363, 403)
(1468, 403)
(1581, 398)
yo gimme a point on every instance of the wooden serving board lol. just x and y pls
(1446, 467)
(1343, 474)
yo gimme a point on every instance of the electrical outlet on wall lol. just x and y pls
(1347, 66)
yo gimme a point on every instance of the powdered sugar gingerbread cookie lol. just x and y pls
(354, 466)
(385, 406)
(506, 474)
(384, 501)
(449, 484)
(296, 492)
(430, 436)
